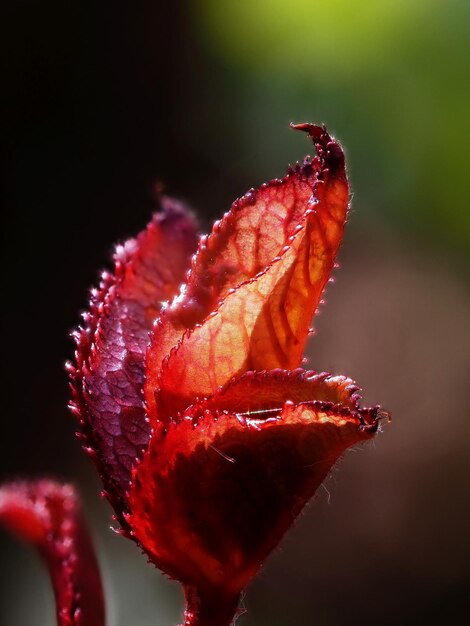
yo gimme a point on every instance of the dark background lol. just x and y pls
(102, 100)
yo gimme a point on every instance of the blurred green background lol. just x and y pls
(103, 99)
(390, 78)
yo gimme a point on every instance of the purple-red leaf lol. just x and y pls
(108, 377)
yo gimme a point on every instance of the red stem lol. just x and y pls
(87, 607)
(209, 608)
(47, 515)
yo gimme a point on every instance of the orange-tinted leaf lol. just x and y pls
(211, 499)
(108, 377)
(254, 286)
(47, 515)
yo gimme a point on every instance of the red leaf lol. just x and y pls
(107, 380)
(254, 285)
(47, 515)
(263, 394)
(213, 496)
